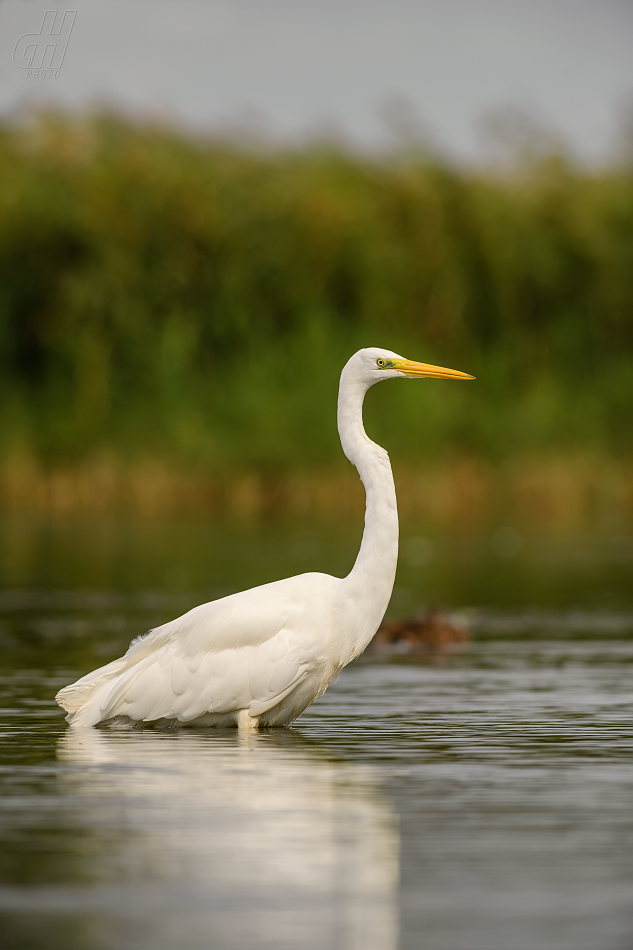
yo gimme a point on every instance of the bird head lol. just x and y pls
(375, 365)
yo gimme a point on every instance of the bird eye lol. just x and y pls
(381, 362)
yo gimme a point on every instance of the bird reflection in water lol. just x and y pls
(233, 840)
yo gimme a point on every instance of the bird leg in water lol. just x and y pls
(246, 722)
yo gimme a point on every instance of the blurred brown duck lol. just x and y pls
(434, 633)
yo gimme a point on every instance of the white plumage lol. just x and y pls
(260, 657)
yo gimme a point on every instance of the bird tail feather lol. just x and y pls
(74, 697)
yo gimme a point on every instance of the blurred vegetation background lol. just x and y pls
(175, 312)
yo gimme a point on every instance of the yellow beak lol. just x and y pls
(411, 368)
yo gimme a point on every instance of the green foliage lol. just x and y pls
(193, 300)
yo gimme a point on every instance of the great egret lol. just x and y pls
(260, 657)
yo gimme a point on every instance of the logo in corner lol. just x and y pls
(42, 54)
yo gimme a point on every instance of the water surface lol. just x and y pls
(484, 800)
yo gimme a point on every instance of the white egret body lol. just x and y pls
(260, 657)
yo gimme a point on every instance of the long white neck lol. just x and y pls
(369, 584)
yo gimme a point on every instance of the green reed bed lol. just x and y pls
(189, 303)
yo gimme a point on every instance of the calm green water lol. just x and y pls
(485, 801)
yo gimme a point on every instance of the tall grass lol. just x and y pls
(191, 302)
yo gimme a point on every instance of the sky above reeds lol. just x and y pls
(468, 77)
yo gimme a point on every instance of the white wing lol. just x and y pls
(245, 651)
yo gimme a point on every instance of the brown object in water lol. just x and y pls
(433, 633)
